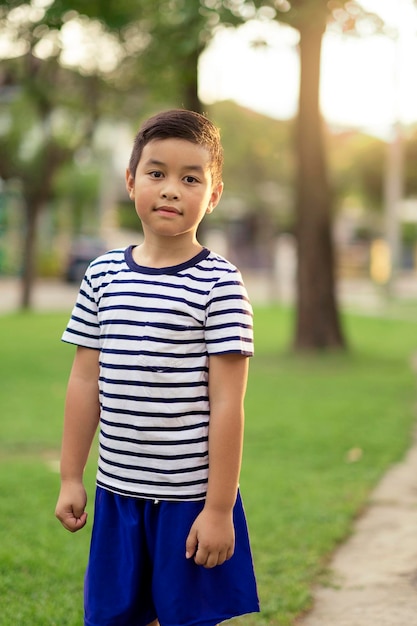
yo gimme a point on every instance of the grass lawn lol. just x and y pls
(320, 431)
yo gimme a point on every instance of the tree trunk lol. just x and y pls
(190, 75)
(317, 321)
(32, 212)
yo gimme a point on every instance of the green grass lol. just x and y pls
(301, 491)
(304, 415)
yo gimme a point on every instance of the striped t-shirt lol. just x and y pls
(155, 330)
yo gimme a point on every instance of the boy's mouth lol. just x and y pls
(168, 210)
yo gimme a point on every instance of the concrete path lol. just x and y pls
(374, 574)
(54, 295)
(48, 295)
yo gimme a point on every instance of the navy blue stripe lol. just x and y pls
(154, 428)
(86, 296)
(229, 311)
(152, 384)
(153, 470)
(153, 415)
(155, 483)
(230, 325)
(188, 355)
(78, 333)
(155, 296)
(153, 325)
(163, 340)
(84, 322)
(157, 284)
(143, 368)
(172, 400)
(238, 338)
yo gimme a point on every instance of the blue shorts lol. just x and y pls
(137, 571)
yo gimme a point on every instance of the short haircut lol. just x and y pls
(181, 124)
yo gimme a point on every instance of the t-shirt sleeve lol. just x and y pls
(229, 317)
(83, 327)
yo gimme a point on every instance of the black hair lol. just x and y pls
(180, 124)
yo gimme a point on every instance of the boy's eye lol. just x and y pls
(190, 179)
(156, 174)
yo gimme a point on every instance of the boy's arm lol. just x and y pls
(80, 424)
(211, 539)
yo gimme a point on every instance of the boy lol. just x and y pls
(163, 333)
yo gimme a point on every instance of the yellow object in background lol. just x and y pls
(380, 264)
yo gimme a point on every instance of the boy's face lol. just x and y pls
(173, 188)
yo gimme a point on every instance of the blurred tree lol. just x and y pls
(161, 41)
(148, 44)
(76, 187)
(48, 113)
(318, 323)
(258, 174)
(36, 138)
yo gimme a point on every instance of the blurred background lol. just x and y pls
(317, 106)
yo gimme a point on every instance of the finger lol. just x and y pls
(201, 556)
(222, 557)
(191, 545)
(212, 560)
(230, 553)
(76, 523)
(71, 522)
(218, 558)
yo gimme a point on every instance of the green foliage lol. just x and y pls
(259, 166)
(78, 189)
(127, 217)
(301, 486)
(160, 42)
(409, 233)
(257, 149)
(357, 165)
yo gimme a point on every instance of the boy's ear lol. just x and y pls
(130, 184)
(216, 194)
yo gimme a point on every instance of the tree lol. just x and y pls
(162, 41)
(151, 52)
(33, 148)
(48, 112)
(318, 323)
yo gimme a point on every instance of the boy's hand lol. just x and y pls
(211, 540)
(70, 508)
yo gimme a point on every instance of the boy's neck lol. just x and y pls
(155, 256)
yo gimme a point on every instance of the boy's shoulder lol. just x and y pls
(115, 255)
(219, 262)
(110, 262)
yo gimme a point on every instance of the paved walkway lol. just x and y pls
(48, 295)
(360, 295)
(374, 574)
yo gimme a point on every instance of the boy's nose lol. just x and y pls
(170, 195)
(170, 191)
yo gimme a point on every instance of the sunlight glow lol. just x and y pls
(85, 44)
(367, 83)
